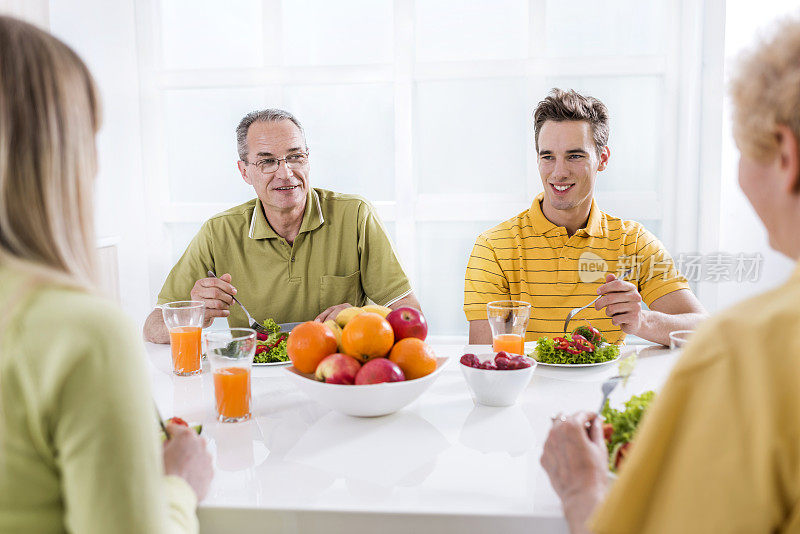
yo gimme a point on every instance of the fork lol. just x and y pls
(255, 325)
(575, 311)
(609, 386)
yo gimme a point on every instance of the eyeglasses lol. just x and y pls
(270, 165)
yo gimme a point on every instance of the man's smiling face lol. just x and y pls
(286, 188)
(568, 163)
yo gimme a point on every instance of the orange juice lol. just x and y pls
(185, 341)
(232, 391)
(509, 343)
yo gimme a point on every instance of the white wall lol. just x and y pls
(110, 52)
(33, 11)
(740, 228)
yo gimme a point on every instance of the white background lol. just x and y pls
(423, 107)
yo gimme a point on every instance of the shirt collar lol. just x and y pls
(595, 226)
(312, 218)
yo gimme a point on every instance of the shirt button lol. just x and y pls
(293, 258)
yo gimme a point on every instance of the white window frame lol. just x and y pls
(694, 31)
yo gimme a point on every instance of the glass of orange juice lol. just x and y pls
(184, 320)
(509, 321)
(230, 352)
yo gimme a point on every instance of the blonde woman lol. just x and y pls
(79, 449)
(719, 450)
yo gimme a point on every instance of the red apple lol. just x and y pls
(337, 369)
(379, 370)
(408, 322)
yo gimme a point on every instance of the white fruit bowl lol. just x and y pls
(369, 400)
(496, 387)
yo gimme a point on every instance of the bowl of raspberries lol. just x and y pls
(496, 379)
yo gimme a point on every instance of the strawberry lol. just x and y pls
(177, 421)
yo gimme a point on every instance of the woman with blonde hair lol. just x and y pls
(719, 450)
(79, 446)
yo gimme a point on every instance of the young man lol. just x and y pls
(719, 449)
(297, 253)
(560, 253)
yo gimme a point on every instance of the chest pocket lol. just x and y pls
(340, 289)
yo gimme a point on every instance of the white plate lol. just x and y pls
(577, 364)
(287, 362)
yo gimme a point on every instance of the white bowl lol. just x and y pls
(369, 400)
(499, 387)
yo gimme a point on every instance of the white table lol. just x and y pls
(442, 464)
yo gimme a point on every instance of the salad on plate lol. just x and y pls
(620, 426)
(585, 345)
(271, 348)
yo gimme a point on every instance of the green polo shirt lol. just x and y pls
(342, 254)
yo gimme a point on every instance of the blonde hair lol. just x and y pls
(766, 91)
(49, 115)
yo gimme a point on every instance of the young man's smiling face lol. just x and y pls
(568, 166)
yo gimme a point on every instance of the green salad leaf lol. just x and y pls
(546, 352)
(271, 326)
(625, 421)
(277, 352)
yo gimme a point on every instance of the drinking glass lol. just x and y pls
(509, 321)
(679, 338)
(230, 352)
(184, 320)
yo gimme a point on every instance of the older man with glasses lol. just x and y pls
(297, 252)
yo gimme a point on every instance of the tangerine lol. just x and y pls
(415, 357)
(308, 344)
(367, 336)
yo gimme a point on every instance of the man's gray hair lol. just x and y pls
(264, 115)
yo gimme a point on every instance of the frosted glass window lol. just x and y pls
(350, 131)
(443, 250)
(180, 235)
(201, 143)
(612, 27)
(207, 34)
(470, 136)
(652, 225)
(345, 32)
(474, 30)
(635, 105)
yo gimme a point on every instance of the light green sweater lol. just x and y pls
(79, 446)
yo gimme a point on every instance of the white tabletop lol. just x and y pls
(442, 464)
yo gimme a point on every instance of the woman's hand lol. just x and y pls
(186, 456)
(576, 460)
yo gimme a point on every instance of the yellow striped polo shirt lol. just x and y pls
(531, 259)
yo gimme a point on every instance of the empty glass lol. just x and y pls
(509, 321)
(679, 338)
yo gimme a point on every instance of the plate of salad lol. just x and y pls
(271, 348)
(584, 347)
(620, 426)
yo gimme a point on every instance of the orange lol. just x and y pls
(414, 357)
(308, 344)
(367, 336)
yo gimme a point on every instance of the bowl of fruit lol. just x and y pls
(496, 379)
(371, 361)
